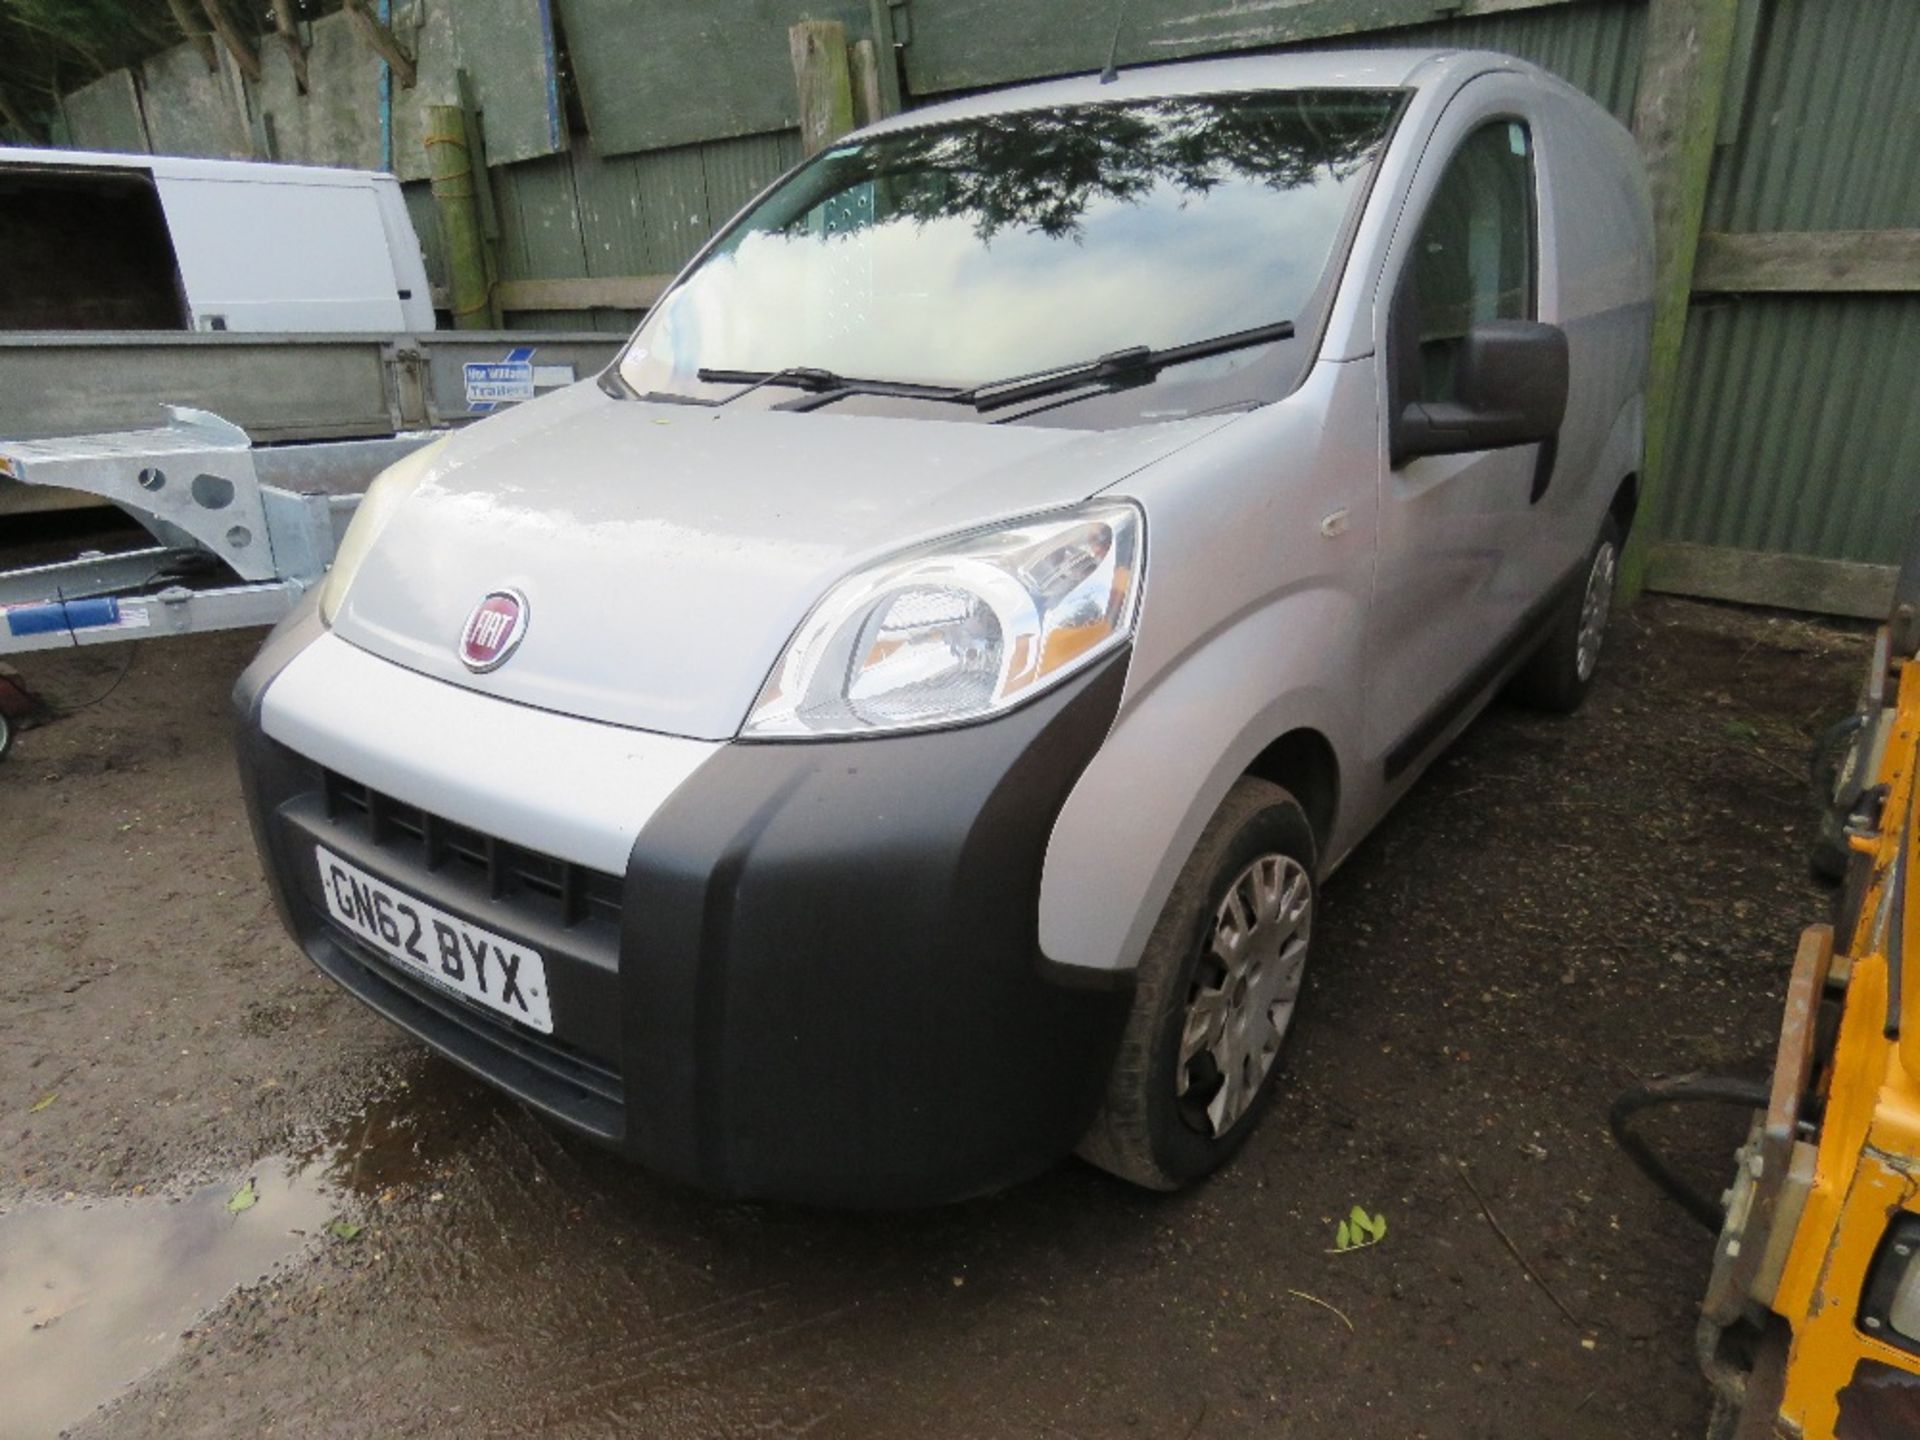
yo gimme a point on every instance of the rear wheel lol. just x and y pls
(6, 735)
(1215, 996)
(1562, 669)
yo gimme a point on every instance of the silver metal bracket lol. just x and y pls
(191, 482)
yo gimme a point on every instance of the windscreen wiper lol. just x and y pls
(1119, 367)
(825, 386)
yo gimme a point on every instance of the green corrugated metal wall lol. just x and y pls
(1594, 45)
(1797, 428)
(581, 214)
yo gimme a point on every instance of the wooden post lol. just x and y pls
(234, 38)
(869, 102)
(823, 75)
(1683, 82)
(382, 40)
(195, 29)
(450, 163)
(283, 23)
(880, 15)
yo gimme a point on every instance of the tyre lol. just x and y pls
(1560, 672)
(1215, 996)
(6, 735)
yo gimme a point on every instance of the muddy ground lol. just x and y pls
(1563, 907)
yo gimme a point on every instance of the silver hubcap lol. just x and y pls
(1244, 991)
(1594, 610)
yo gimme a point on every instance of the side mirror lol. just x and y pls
(1512, 382)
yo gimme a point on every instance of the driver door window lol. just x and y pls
(1473, 259)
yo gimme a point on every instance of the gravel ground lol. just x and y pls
(1561, 908)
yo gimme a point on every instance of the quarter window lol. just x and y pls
(1474, 257)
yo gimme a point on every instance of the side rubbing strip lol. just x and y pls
(1517, 645)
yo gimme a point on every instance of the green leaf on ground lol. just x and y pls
(1359, 1230)
(43, 1102)
(344, 1230)
(243, 1199)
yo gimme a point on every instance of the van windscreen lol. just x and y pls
(998, 245)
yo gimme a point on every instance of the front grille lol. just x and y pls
(588, 1089)
(570, 913)
(556, 889)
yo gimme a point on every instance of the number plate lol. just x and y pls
(452, 953)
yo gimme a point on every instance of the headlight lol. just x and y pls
(959, 630)
(384, 496)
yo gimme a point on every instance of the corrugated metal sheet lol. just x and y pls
(579, 214)
(966, 44)
(659, 73)
(1796, 429)
(1594, 45)
(1828, 131)
(1796, 426)
(426, 224)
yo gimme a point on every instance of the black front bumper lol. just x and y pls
(819, 979)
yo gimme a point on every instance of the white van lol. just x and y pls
(94, 241)
(890, 731)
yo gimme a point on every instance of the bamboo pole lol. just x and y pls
(450, 163)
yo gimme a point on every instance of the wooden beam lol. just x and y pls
(286, 25)
(382, 40)
(869, 104)
(823, 75)
(886, 57)
(1786, 582)
(598, 292)
(1683, 79)
(195, 29)
(1808, 262)
(236, 41)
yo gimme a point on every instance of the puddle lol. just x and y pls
(95, 1294)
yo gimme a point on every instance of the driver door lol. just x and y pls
(1453, 584)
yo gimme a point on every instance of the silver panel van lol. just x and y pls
(890, 729)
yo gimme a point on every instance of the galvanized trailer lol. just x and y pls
(246, 479)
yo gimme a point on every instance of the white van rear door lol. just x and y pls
(282, 256)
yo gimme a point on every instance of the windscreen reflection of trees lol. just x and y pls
(1041, 170)
(1006, 244)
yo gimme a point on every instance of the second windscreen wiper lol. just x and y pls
(1117, 367)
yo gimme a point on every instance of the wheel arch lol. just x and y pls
(1303, 763)
(1626, 503)
(1270, 695)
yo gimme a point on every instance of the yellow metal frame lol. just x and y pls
(1867, 1164)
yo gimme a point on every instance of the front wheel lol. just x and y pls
(1561, 671)
(1215, 996)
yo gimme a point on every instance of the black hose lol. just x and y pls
(1693, 1089)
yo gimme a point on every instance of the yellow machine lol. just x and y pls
(1811, 1322)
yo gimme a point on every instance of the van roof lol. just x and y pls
(185, 167)
(1375, 69)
